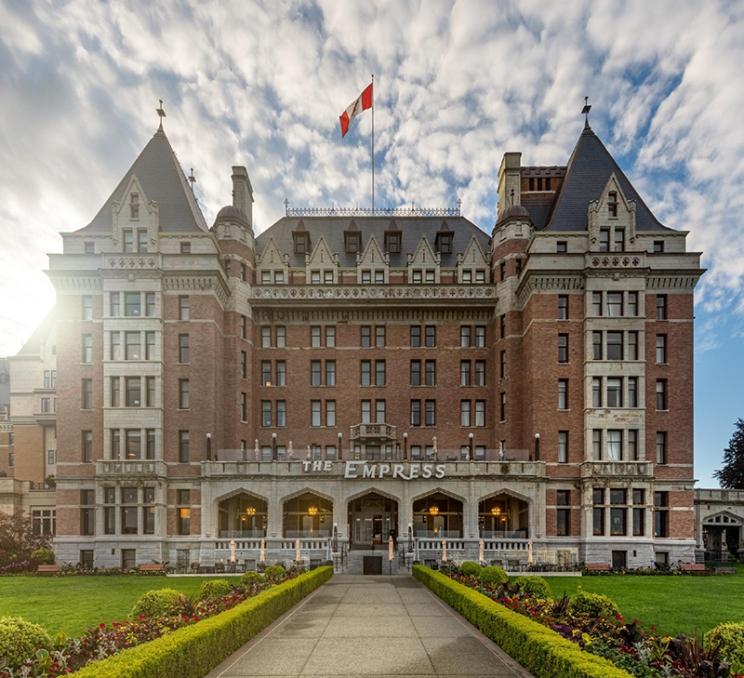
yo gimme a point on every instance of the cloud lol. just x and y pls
(457, 84)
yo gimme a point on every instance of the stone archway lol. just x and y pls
(503, 515)
(373, 519)
(438, 515)
(242, 514)
(307, 515)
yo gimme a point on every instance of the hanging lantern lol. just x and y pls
(434, 510)
(312, 510)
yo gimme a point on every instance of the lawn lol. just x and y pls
(681, 604)
(72, 604)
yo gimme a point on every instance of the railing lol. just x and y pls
(411, 211)
(131, 467)
(441, 534)
(592, 469)
(372, 431)
(242, 534)
(285, 548)
(503, 534)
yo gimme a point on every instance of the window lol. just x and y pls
(281, 413)
(415, 373)
(50, 378)
(502, 326)
(86, 311)
(315, 373)
(89, 247)
(115, 443)
(661, 394)
(598, 528)
(604, 240)
(416, 276)
(300, 243)
(661, 447)
(134, 206)
(132, 443)
(518, 261)
(266, 277)
(243, 364)
(633, 444)
(365, 336)
(658, 246)
(128, 240)
(563, 394)
(563, 447)
(87, 348)
(142, 240)
(86, 394)
(265, 337)
(502, 364)
(465, 336)
(315, 278)
(183, 348)
(614, 346)
(619, 240)
(183, 500)
(51, 457)
(243, 406)
(281, 336)
(632, 345)
(392, 241)
(563, 515)
(597, 345)
(379, 411)
(614, 445)
(480, 373)
(86, 445)
(597, 304)
(502, 271)
(315, 336)
(430, 412)
(415, 413)
(183, 307)
(266, 372)
(243, 327)
(612, 203)
(661, 514)
(366, 407)
(480, 336)
(618, 513)
(115, 303)
(330, 373)
(562, 348)
(380, 372)
(352, 241)
(430, 373)
(87, 515)
(633, 303)
(380, 336)
(266, 420)
(465, 413)
(614, 392)
(632, 391)
(597, 444)
(465, 373)
(661, 306)
(562, 307)
(467, 277)
(133, 391)
(150, 443)
(639, 512)
(661, 349)
(132, 302)
(502, 406)
(415, 336)
(315, 413)
(185, 247)
(596, 391)
(430, 336)
(330, 452)
(561, 246)
(330, 336)
(183, 394)
(132, 346)
(444, 241)
(365, 372)
(331, 412)
(614, 304)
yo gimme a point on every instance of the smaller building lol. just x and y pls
(38, 502)
(719, 524)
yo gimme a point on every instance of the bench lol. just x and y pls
(48, 569)
(725, 570)
(151, 567)
(597, 567)
(693, 568)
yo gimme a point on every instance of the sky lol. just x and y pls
(456, 85)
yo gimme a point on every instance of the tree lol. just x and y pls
(17, 540)
(731, 476)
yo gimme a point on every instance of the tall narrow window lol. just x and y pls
(479, 374)
(619, 240)
(430, 412)
(430, 336)
(615, 304)
(633, 303)
(598, 512)
(596, 391)
(281, 336)
(661, 306)
(633, 445)
(562, 307)
(612, 203)
(315, 372)
(604, 240)
(331, 412)
(379, 372)
(183, 447)
(87, 394)
(315, 413)
(415, 413)
(502, 364)
(633, 345)
(464, 413)
(639, 512)
(562, 348)
(661, 394)
(380, 336)
(281, 373)
(330, 336)
(266, 413)
(597, 304)
(597, 344)
(183, 348)
(661, 514)
(563, 512)
(315, 336)
(281, 413)
(614, 345)
(365, 372)
(115, 391)
(415, 370)
(597, 444)
(133, 391)
(661, 447)
(618, 512)
(150, 391)
(632, 391)
(430, 372)
(563, 447)
(415, 336)
(87, 348)
(330, 373)
(480, 336)
(243, 406)
(465, 331)
(480, 413)
(661, 349)
(365, 336)
(563, 394)
(464, 373)
(502, 406)
(86, 312)
(614, 445)
(183, 394)
(614, 391)
(87, 446)
(183, 307)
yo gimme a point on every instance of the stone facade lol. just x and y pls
(345, 377)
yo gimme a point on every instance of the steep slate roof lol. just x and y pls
(588, 172)
(411, 228)
(162, 180)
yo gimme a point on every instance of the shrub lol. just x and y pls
(42, 556)
(539, 649)
(274, 572)
(533, 586)
(730, 639)
(19, 640)
(493, 575)
(214, 589)
(248, 579)
(158, 603)
(194, 650)
(471, 569)
(595, 605)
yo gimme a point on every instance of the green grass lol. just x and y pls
(681, 604)
(73, 604)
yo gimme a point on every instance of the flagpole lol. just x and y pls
(373, 144)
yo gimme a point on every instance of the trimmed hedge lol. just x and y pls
(540, 650)
(193, 651)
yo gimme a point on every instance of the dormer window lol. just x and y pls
(128, 240)
(134, 206)
(301, 242)
(392, 241)
(561, 247)
(266, 277)
(658, 246)
(444, 242)
(186, 247)
(612, 203)
(604, 240)
(315, 277)
(142, 240)
(352, 242)
(379, 277)
(366, 276)
(619, 240)
(89, 247)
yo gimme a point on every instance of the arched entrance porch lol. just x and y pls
(243, 515)
(373, 519)
(503, 515)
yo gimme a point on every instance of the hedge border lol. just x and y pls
(193, 651)
(540, 650)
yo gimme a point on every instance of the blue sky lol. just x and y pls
(457, 84)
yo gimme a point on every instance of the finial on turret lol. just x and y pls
(192, 179)
(161, 113)
(585, 112)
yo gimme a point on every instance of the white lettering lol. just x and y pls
(439, 471)
(398, 472)
(305, 466)
(426, 471)
(317, 465)
(328, 465)
(384, 470)
(351, 469)
(414, 471)
(369, 471)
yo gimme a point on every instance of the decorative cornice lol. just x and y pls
(73, 281)
(197, 282)
(548, 281)
(673, 280)
(370, 314)
(129, 262)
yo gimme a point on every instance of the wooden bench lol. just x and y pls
(151, 567)
(598, 567)
(47, 569)
(725, 570)
(693, 568)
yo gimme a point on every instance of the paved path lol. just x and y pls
(370, 626)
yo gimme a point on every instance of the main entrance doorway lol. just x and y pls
(372, 520)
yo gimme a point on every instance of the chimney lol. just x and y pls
(509, 180)
(242, 192)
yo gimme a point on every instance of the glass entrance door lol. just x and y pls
(372, 520)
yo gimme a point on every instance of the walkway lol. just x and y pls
(370, 626)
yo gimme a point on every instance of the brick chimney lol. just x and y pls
(242, 192)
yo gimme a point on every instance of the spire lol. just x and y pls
(585, 112)
(161, 113)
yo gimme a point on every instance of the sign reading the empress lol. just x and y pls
(365, 469)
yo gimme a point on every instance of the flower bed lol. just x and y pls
(193, 634)
(592, 623)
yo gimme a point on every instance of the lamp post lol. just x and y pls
(340, 445)
(273, 446)
(405, 445)
(209, 447)
(470, 446)
(537, 447)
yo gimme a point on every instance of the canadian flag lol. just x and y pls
(358, 105)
